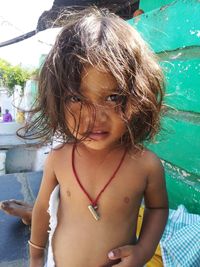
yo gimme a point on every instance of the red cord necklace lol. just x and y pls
(93, 203)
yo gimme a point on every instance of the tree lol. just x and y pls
(12, 75)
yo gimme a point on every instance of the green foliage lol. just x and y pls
(35, 72)
(12, 75)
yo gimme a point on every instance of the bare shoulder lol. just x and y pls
(59, 151)
(53, 162)
(151, 161)
(59, 156)
(147, 160)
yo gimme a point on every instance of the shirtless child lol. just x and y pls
(101, 88)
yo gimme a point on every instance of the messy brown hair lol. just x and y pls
(103, 40)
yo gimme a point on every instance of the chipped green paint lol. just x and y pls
(183, 83)
(150, 5)
(175, 26)
(182, 187)
(173, 31)
(179, 144)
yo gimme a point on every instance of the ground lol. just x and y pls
(13, 233)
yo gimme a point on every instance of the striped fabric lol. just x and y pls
(180, 243)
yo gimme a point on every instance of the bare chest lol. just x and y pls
(118, 199)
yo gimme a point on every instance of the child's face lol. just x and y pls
(101, 90)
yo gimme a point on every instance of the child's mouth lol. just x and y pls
(98, 135)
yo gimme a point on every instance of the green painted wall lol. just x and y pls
(173, 32)
(149, 5)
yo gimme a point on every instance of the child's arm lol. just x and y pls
(156, 209)
(155, 218)
(40, 217)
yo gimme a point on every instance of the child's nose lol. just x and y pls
(97, 115)
(101, 114)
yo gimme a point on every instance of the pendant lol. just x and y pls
(94, 212)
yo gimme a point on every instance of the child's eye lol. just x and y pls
(114, 98)
(74, 99)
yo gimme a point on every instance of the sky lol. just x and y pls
(18, 17)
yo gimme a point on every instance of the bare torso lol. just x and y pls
(80, 240)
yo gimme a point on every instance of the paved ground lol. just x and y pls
(13, 233)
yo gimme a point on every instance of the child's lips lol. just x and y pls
(98, 135)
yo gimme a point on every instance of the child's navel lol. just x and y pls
(126, 200)
(68, 193)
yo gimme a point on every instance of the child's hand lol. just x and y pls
(131, 256)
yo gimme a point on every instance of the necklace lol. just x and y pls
(93, 203)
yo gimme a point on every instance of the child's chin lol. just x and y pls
(96, 145)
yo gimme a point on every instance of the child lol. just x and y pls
(101, 89)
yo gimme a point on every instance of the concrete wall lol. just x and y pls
(9, 128)
(25, 159)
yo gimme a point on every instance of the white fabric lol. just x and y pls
(53, 209)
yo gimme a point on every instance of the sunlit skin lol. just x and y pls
(79, 240)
